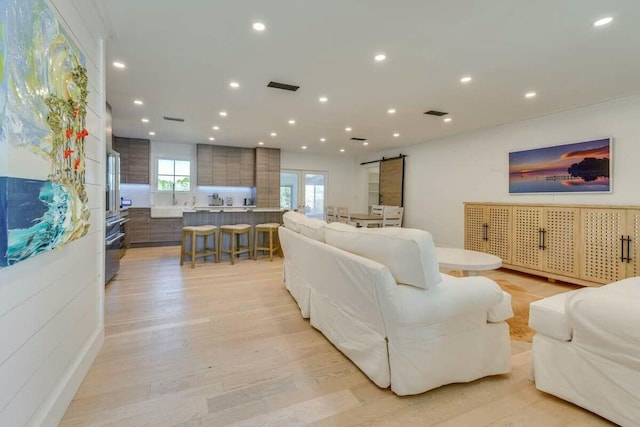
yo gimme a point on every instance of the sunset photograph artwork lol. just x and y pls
(578, 167)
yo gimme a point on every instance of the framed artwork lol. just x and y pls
(578, 167)
(43, 98)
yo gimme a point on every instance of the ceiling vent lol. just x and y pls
(436, 113)
(173, 119)
(358, 139)
(283, 86)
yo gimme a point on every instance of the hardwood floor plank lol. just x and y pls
(226, 345)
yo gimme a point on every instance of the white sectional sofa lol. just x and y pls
(587, 349)
(378, 296)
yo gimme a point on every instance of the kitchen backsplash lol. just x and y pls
(141, 195)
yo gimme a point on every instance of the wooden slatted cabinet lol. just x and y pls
(488, 229)
(545, 238)
(610, 242)
(587, 245)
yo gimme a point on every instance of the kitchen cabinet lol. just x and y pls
(139, 226)
(247, 167)
(147, 231)
(205, 164)
(134, 159)
(166, 230)
(267, 177)
(225, 166)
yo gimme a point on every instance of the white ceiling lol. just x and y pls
(182, 55)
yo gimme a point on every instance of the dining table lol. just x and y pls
(365, 220)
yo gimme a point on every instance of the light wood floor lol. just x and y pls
(225, 345)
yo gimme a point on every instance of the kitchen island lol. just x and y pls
(225, 216)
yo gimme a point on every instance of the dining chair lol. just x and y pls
(331, 214)
(377, 210)
(392, 216)
(342, 214)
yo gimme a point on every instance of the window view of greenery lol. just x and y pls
(285, 197)
(174, 175)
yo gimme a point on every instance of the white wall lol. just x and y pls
(51, 306)
(441, 175)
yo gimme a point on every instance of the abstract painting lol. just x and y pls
(43, 98)
(568, 168)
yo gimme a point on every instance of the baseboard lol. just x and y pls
(55, 405)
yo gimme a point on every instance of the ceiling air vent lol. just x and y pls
(173, 119)
(436, 113)
(358, 139)
(283, 86)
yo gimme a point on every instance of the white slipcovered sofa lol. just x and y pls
(587, 349)
(378, 296)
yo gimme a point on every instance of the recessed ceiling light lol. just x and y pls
(304, 147)
(348, 129)
(137, 102)
(216, 128)
(447, 119)
(365, 143)
(152, 133)
(234, 85)
(223, 114)
(144, 120)
(603, 21)
(530, 95)
(342, 150)
(211, 138)
(273, 134)
(380, 57)
(260, 143)
(323, 139)
(395, 135)
(465, 79)
(259, 26)
(119, 64)
(323, 99)
(391, 111)
(292, 122)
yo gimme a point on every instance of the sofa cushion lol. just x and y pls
(408, 253)
(292, 220)
(313, 228)
(300, 223)
(547, 316)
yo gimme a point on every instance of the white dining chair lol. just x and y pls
(331, 214)
(392, 216)
(342, 214)
(377, 210)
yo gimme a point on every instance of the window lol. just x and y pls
(174, 175)
(286, 200)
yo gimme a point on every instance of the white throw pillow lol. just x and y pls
(292, 220)
(408, 253)
(313, 228)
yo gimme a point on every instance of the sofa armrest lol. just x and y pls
(453, 297)
(607, 322)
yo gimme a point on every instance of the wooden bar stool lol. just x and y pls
(269, 236)
(193, 231)
(236, 247)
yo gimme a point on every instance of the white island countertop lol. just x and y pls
(178, 211)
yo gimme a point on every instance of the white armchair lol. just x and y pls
(587, 349)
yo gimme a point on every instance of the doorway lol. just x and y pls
(303, 191)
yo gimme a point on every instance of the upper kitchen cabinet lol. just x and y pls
(134, 159)
(268, 177)
(226, 166)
